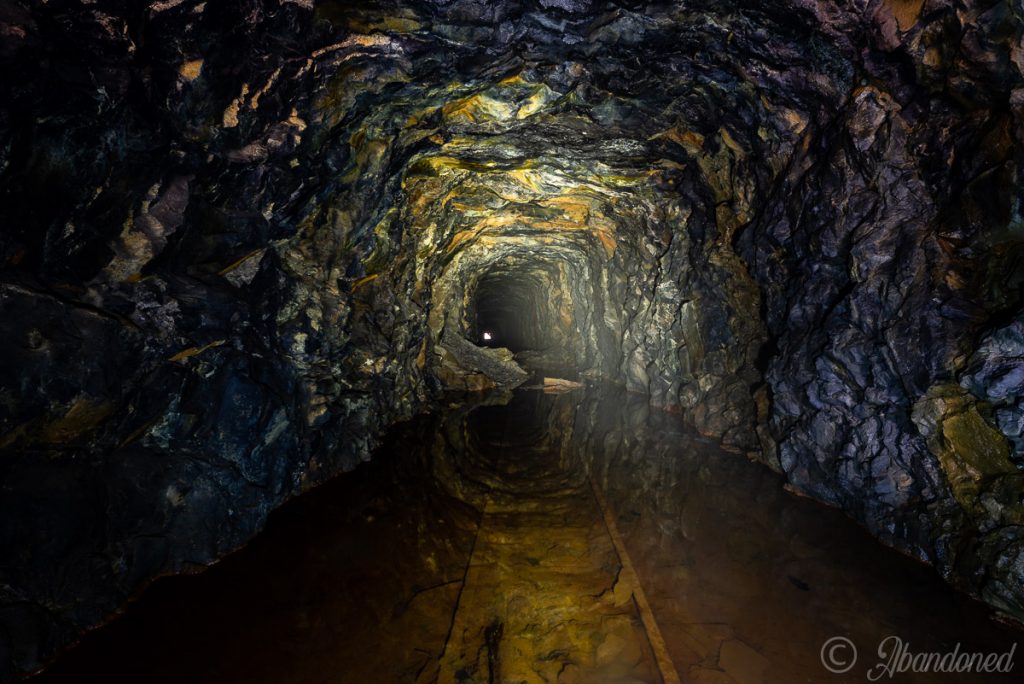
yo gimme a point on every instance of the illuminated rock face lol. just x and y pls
(236, 238)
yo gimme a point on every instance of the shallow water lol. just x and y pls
(578, 537)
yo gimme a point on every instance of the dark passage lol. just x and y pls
(241, 241)
(514, 310)
(481, 545)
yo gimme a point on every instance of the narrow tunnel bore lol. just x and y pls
(529, 305)
(507, 310)
(241, 241)
(512, 309)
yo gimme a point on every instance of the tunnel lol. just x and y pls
(512, 310)
(475, 341)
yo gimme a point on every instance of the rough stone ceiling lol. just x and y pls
(240, 239)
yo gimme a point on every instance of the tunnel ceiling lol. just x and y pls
(242, 240)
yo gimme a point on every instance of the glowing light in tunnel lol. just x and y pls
(487, 336)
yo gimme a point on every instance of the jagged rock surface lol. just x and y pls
(234, 233)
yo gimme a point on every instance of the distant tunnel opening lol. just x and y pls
(514, 307)
(509, 310)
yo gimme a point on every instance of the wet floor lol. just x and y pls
(578, 537)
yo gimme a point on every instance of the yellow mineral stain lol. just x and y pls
(536, 102)
(84, 414)
(731, 143)
(692, 141)
(296, 121)
(438, 164)
(560, 385)
(367, 154)
(421, 358)
(362, 40)
(390, 24)
(575, 211)
(230, 119)
(190, 70)
(478, 109)
(933, 57)
(531, 180)
(235, 264)
(364, 280)
(618, 180)
(797, 122)
(975, 453)
(607, 241)
(513, 80)
(905, 12)
(254, 102)
(461, 237)
(192, 351)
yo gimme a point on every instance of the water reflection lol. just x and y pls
(473, 549)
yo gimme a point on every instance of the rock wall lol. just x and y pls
(236, 235)
(892, 249)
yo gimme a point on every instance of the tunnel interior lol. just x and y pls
(514, 308)
(243, 241)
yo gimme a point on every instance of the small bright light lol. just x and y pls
(487, 336)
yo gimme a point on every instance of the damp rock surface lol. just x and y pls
(236, 237)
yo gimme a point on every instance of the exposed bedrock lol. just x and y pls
(241, 239)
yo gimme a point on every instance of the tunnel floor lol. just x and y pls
(574, 537)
